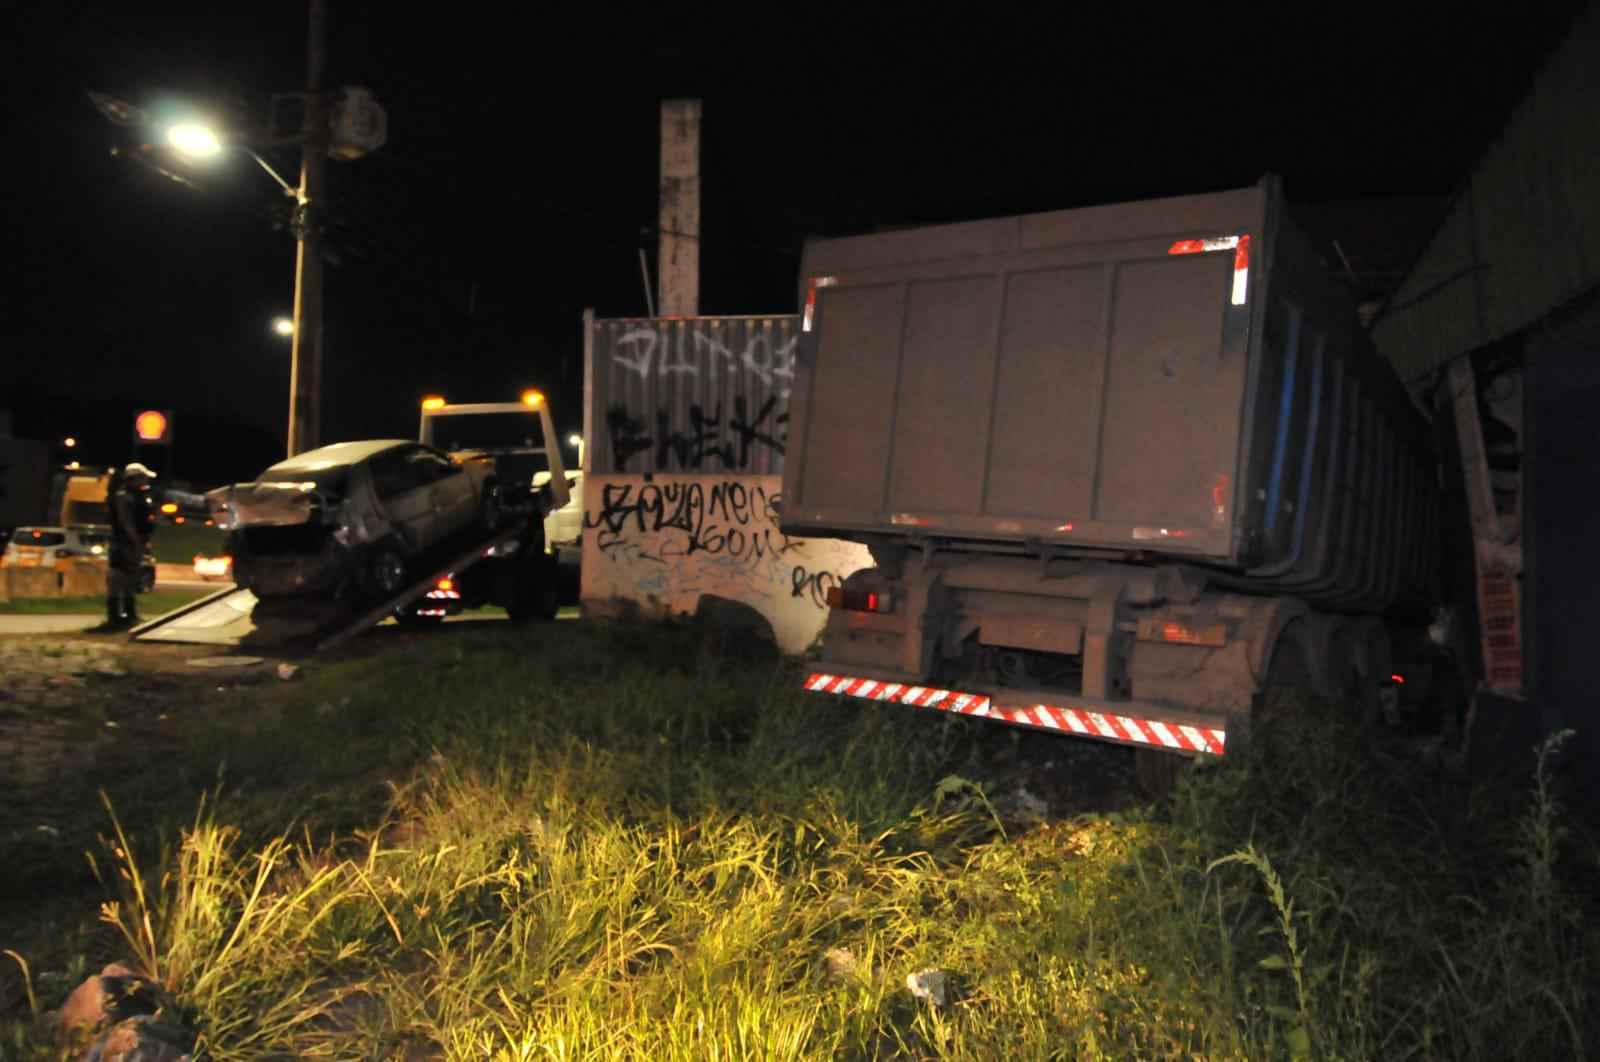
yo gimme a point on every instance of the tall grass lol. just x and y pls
(618, 846)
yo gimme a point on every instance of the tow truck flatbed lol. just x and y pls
(233, 617)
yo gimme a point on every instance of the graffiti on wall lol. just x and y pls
(716, 517)
(647, 351)
(700, 396)
(701, 445)
(664, 543)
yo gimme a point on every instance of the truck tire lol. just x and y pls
(1288, 688)
(538, 594)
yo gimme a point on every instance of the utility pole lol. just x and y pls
(305, 359)
(679, 246)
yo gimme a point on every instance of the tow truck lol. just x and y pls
(510, 567)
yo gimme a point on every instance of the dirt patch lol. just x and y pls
(67, 700)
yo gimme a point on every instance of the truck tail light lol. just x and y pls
(1158, 629)
(859, 600)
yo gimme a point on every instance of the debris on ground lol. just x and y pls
(127, 1013)
(840, 964)
(931, 985)
(143, 1038)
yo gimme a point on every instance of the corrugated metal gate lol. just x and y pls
(688, 395)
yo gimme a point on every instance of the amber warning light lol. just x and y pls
(433, 402)
(532, 399)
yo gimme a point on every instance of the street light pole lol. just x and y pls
(305, 358)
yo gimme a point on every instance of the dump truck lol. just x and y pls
(1121, 470)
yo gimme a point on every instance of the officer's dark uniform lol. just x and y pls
(132, 521)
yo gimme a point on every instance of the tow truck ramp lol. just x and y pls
(234, 617)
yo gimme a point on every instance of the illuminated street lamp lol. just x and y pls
(194, 140)
(576, 441)
(283, 326)
(345, 125)
(69, 442)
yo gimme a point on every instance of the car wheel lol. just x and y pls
(386, 572)
(490, 511)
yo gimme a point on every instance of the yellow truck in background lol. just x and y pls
(83, 501)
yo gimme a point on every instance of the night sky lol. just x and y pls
(519, 179)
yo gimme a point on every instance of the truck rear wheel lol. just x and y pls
(538, 594)
(1289, 687)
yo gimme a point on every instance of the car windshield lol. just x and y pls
(87, 512)
(34, 536)
(488, 431)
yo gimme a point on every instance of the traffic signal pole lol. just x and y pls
(305, 359)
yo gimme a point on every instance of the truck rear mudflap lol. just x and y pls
(1142, 724)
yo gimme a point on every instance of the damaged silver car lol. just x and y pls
(352, 517)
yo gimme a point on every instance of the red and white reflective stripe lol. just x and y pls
(1126, 729)
(811, 299)
(1239, 245)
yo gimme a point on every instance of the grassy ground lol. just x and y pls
(595, 842)
(151, 604)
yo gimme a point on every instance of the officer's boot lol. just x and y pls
(113, 615)
(130, 609)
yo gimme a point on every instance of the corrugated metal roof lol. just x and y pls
(1523, 235)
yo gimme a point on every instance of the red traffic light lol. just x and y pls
(152, 426)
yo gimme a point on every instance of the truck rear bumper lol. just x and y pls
(1143, 724)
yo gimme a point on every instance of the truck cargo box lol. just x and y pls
(1171, 380)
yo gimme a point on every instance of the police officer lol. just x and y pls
(132, 521)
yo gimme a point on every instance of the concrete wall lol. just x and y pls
(80, 579)
(655, 548)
